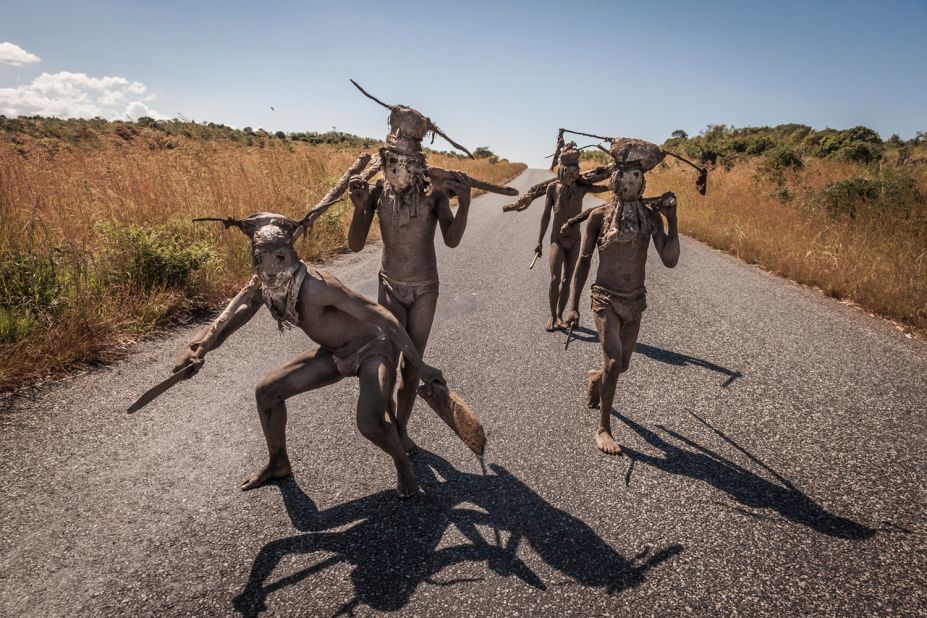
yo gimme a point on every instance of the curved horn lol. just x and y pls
(226, 222)
(560, 145)
(701, 183)
(435, 129)
(370, 96)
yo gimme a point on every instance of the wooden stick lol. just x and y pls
(334, 194)
(439, 174)
(593, 176)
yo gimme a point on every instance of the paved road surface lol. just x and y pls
(776, 465)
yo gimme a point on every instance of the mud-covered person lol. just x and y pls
(621, 233)
(355, 337)
(410, 209)
(564, 199)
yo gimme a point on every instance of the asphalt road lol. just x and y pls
(776, 463)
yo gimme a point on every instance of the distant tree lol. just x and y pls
(679, 134)
(895, 140)
(280, 135)
(483, 152)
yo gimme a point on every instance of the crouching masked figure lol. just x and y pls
(355, 338)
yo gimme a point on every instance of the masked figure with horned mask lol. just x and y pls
(355, 336)
(411, 205)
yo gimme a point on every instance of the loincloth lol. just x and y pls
(628, 306)
(349, 365)
(407, 293)
(567, 242)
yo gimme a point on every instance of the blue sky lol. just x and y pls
(504, 75)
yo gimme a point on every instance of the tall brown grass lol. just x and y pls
(868, 249)
(94, 221)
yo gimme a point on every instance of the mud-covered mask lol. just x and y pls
(400, 170)
(272, 256)
(568, 174)
(628, 184)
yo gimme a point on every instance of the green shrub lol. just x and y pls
(15, 324)
(28, 281)
(844, 197)
(782, 157)
(152, 259)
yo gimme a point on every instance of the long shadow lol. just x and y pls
(681, 360)
(746, 487)
(586, 335)
(392, 546)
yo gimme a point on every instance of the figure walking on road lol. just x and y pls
(411, 207)
(621, 233)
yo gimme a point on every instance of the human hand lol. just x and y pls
(459, 185)
(667, 205)
(359, 189)
(537, 249)
(429, 375)
(571, 319)
(190, 355)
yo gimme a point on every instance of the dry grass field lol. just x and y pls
(856, 231)
(97, 246)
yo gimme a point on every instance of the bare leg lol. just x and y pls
(374, 422)
(421, 317)
(304, 373)
(609, 327)
(402, 316)
(553, 293)
(570, 257)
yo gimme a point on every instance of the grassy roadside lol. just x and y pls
(97, 247)
(853, 224)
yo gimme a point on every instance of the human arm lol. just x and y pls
(590, 237)
(239, 310)
(365, 202)
(453, 226)
(666, 242)
(545, 218)
(594, 188)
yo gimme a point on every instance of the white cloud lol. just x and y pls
(77, 95)
(10, 53)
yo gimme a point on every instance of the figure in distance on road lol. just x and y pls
(621, 232)
(564, 198)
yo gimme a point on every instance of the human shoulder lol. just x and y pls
(598, 213)
(320, 284)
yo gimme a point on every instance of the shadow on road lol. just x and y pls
(587, 335)
(393, 546)
(744, 486)
(681, 360)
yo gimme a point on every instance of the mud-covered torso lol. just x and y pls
(568, 202)
(407, 227)
(623, 243)
(327, 325)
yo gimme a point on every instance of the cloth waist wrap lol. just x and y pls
(407, 292)
(628, 306)
(349, 365)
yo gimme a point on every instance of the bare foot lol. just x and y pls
(606, 443)
(562, 324)
(268, 472)
(406, 484)
(592, 390)
(410, 447)
(549, 327)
